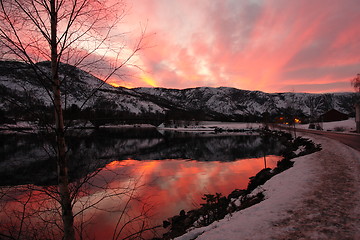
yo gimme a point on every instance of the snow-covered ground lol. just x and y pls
(316, 199)
(211, 126)
(340, 126)
(127, 126)
(232, 125)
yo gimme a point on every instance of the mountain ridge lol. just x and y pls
(20, 89)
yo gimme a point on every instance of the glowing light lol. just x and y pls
(148, 166)
(116, 83)
(148, 79)
(114, 165)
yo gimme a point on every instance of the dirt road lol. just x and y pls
(352, 140)
(331, 208)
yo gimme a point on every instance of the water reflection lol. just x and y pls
(182, 168)
(28, 159)
(173, 185)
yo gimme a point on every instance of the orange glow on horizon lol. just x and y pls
(115, 83)
(148, 80)
(114, 165)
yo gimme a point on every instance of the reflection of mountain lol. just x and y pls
(216, 148)
(28, 158)
(24, 160)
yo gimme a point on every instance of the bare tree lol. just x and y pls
(77, 32)
(355, 82)
(33, 212)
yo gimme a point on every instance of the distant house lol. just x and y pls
(333, 115)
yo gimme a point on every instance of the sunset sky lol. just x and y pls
(267, 45)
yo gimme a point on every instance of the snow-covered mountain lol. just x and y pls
(22, 89)
(236, 103)
(25, 91)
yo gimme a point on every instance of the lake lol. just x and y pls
(127, 174)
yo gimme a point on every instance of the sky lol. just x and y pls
(266, 45)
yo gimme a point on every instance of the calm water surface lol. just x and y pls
(168, 172)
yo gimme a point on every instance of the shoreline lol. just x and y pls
(316, 199)
(239, 199)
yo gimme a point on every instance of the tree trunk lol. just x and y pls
(62, 166)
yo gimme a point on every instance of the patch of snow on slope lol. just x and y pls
(344, 126)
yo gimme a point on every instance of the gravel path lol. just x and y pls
(331, 208)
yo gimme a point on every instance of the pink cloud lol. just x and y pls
(271, 46)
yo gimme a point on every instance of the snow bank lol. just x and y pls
(232, 125)
(282, 192)
(212, 125)
(342, 126)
